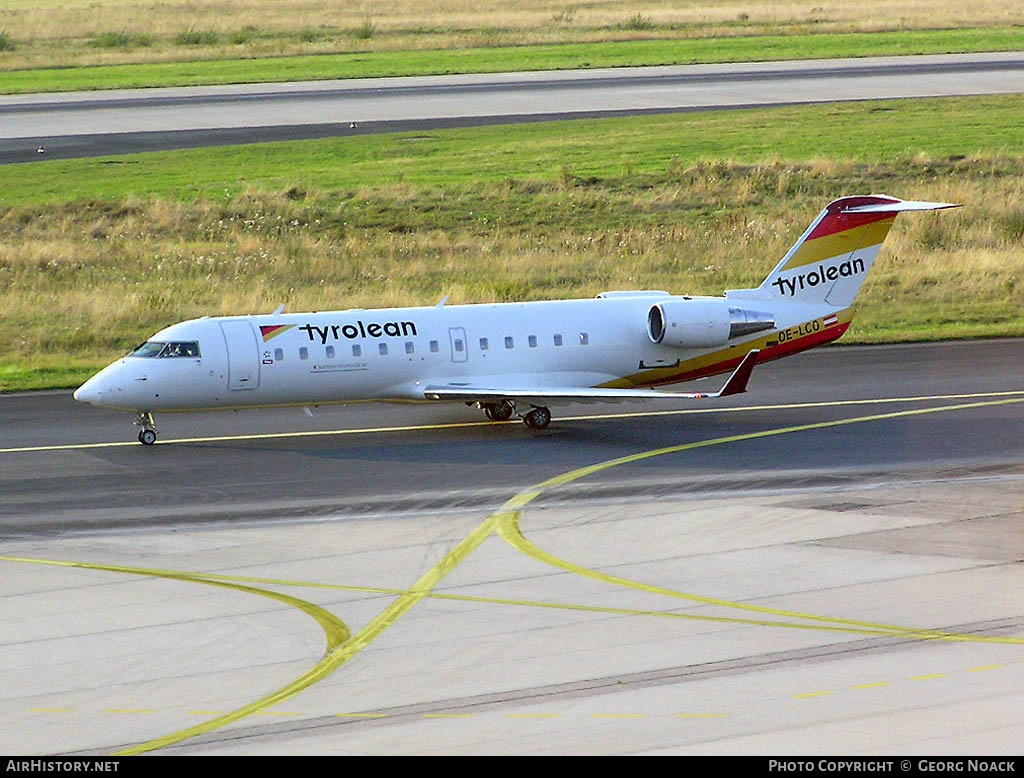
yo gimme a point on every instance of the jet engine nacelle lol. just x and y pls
(684, 322)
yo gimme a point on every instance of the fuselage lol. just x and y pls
(392, 354)
(512, 358)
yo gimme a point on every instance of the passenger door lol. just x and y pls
(243, 355)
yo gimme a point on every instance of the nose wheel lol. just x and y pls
(147, 435)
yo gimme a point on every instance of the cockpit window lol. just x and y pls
(177, 349)
(149, 349)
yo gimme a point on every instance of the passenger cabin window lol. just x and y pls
(509, 343)
(409, 348)
(484, 344)
(584, 339)
(279, 354)
(167, 350)
(383, 349)
(532, 340)
(558, 340)
(459, 345)
(330, 352)
(433, 347)
(303, 352)
(357, 350)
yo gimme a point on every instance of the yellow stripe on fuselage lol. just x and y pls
(839, 243)
(720, 361)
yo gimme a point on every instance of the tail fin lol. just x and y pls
(832, 258)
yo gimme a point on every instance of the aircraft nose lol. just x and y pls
(89, 392)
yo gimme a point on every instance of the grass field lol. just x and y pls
(46, 45)
(96, 254)
(518, 58)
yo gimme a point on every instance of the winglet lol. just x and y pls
(737, 383)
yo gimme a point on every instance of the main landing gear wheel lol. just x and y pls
(499, 411)
(538, 418)
(147, 435)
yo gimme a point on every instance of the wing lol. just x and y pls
(736, 384)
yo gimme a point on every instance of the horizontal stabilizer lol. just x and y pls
(900, 205)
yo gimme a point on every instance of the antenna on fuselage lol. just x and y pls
(280, 309)
(443, 301)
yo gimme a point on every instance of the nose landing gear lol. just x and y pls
(147, 435)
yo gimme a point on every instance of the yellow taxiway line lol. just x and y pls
(336, 631)
(470, 424)
(341, 646)
(510, 513)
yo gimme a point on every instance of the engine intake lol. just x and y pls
(684, 322)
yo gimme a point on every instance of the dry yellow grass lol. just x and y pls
(50, 32)
(92, 279)
(57, 19)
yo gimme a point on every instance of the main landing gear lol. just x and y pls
(147, 433)
(536, 419)
(501, 411)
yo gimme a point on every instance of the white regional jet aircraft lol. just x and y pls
(511, 358)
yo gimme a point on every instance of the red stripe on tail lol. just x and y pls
(837, 221)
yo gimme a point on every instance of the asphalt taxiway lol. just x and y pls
(830, 563)
(40, 127)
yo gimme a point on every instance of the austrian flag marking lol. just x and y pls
(828, 321)
(270, 331)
